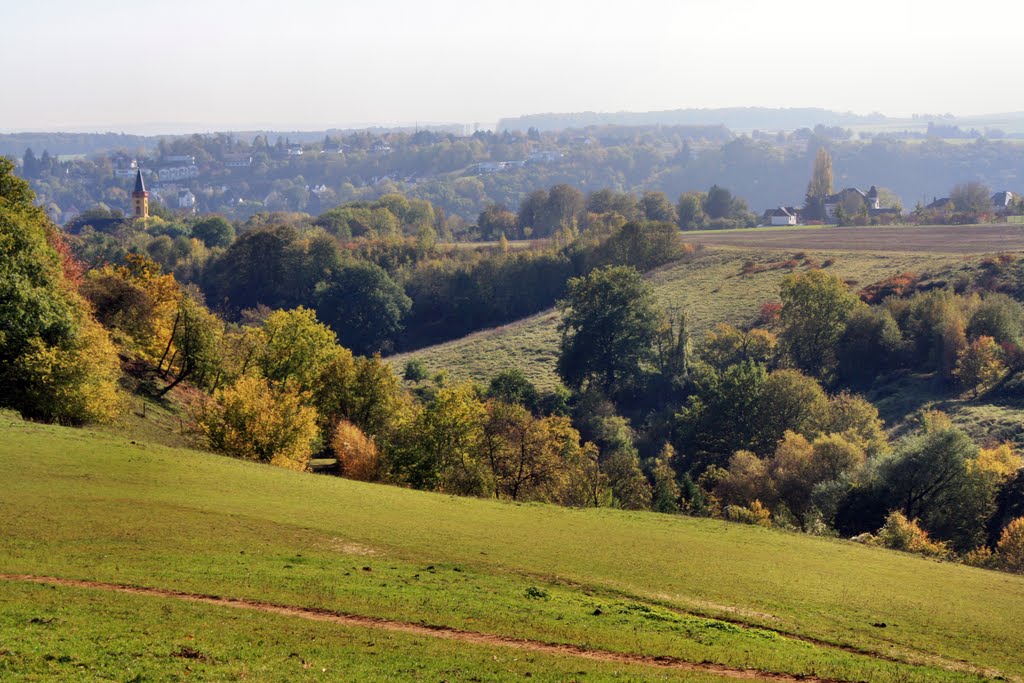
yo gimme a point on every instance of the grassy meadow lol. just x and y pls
(710, 288)
(90, 505)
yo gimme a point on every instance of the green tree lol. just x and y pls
(214, 231)
(869, 345)
(415, 371)
(620, 463)
(690, 210)
(815, 309)
(56, 362)
(657, 207)
(820, 185)
(928, 469)
(364, 306)
(447, 455)
(719, 203)
(297, 348)
(608, 325)
(1000, 317)
(513, 387)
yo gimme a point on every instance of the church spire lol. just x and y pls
(140, 198)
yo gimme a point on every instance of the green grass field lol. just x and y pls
(90, 505)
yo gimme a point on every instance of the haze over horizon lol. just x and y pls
(163, 67)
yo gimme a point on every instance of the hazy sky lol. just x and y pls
(159, 66)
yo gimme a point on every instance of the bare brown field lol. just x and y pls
(947, 239)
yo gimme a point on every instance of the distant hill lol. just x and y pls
(735, 118)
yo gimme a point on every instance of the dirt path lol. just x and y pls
(429, 631)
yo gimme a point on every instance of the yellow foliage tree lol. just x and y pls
(357, 453)
(252, 420)
(999, 462)
(74, 383)
(1010, 549)
(980, 365)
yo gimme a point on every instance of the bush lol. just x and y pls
(1010, 549)
(900, 533)
(250, 420)
(756, 514)
(357, 453)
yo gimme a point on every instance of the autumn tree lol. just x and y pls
(980, 365)
(357, 453)
(725, 345)
(253, 420)
(529, 458)
(972, 197)
(297, 348)
(1010, 549)
(496, 221)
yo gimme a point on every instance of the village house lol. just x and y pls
(240, 160)
(849, 196)
(784, 215)
(1003, 200)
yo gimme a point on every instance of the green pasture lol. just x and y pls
(90, 505)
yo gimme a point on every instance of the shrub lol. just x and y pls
(756, 514)
(980, 557)
(251, 420)
(1010, 549)
(357, 453)
(900, 533)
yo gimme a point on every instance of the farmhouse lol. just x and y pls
(784, 215)
(1002, 200)
(849, 198)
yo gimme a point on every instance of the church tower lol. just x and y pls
(140, 198)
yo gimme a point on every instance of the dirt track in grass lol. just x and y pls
(444, 632)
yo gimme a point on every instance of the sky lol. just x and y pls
(151, 66)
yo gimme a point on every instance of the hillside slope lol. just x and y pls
(85, 505)
(710, 289)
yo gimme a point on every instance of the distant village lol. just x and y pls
(852, 200)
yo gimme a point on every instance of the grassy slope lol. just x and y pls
(709, 288)
(82, 504)
(52, 633)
